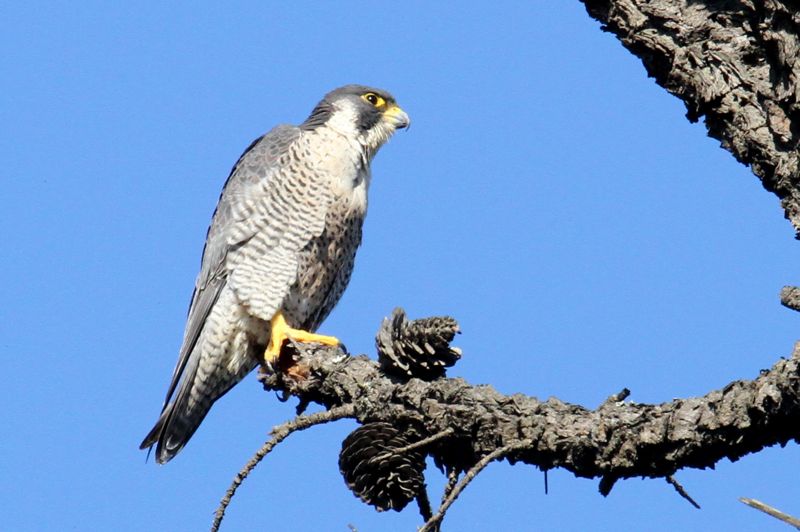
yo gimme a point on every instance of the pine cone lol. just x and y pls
(418, 348)
(375, 472)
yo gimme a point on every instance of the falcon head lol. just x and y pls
(368, 115)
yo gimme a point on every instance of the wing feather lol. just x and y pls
(231, 231)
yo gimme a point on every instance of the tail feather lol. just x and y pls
(154, 434)
(174, 428)
(223, 354)
(181, 418)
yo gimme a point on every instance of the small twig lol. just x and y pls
(433, 523)
(767, 509)
(790, 297)
(607, 484)
(617, 397)
(279, 434)
(682, 492)
(416, 445)
(452, 480)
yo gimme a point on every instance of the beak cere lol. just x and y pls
(397, 117)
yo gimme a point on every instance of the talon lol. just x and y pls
(280, 332)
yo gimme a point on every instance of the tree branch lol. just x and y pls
(616, 441)
(682, 491)
(279, 434)
(735, 62)
(433, 523)
(419, 444)
(769, 510)
(790, 297)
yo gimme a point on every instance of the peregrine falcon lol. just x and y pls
(279, 251)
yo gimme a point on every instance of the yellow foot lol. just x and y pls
(280, 332)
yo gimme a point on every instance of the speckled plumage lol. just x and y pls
(283, 238)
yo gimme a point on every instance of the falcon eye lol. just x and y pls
(374, 99)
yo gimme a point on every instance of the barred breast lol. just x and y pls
(326, 263)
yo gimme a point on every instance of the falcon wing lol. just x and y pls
(253, 200)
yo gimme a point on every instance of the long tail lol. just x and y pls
(177, 423)
(172, 431)
(198, 391)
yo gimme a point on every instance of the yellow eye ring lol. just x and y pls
(373, 99)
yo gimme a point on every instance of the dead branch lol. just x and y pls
(790, 297)
(736, 63)
(279, 434)
(434, 522)
(769, 510)
(682, 491)
(618, 440)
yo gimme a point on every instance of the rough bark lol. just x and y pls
(618, 440)
(734, 62)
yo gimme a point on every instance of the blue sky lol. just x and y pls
(549, 196)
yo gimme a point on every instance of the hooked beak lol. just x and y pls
(397, 117)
